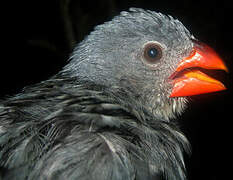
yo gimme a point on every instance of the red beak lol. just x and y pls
(192, 81)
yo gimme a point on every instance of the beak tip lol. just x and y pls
(225, 68)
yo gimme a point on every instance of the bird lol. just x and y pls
(111, 112)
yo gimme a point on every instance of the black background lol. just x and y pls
(35, 46)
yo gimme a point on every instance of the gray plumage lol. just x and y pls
(105, 115)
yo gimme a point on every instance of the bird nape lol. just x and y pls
(109, 114)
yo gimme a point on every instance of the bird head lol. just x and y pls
(152, 55)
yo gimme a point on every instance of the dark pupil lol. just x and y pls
(152, 52)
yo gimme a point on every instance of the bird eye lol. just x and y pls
(152, 53)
